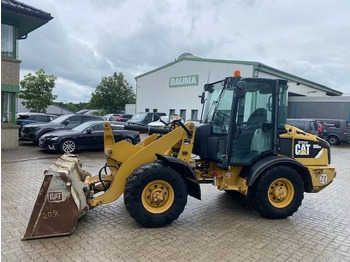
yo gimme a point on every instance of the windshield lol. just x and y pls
(82, 126)
(60, 119)
(139, 116)
(210, 104)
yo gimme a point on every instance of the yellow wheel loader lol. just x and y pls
(242, 144)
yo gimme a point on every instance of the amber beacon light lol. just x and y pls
(237, 73)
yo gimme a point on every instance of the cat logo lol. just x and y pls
(302, 148)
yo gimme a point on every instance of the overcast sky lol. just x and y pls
(88, 40)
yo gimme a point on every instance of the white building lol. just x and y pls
(175, 87)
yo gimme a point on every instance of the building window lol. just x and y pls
(155, 110)
(171, 111)
(146, 109)
(183, 114)
(194, 114)
(8, 41)
(7, 107)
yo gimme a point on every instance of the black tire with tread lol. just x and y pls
(333, 140)
(139, 179)
(258, 195)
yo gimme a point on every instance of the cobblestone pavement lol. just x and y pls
(220, 227)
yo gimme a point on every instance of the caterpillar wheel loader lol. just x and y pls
(242, 143)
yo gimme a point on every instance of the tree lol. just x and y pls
(36, 90)
(112, 94)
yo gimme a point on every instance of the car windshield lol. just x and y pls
(82, 126)
(60, 119)
(139, 116)
(165, 119)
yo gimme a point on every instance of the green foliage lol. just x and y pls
(36, 90)
(72, 106)
(112, 94)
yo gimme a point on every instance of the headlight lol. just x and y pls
(54, 138)
(33, 129)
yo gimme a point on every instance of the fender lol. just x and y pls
(255, 170)
(186, 172)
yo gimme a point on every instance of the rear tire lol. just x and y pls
(278, 193)
(333, 140)
(155, 195)
(68, 146)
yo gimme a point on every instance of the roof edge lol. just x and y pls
(268, 69)
(37, 13)
(198, 59)
(257, 65)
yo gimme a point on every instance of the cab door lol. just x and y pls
(255, 121)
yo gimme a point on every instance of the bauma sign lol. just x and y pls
(179, 81)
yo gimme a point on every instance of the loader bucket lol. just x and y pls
(61, 201)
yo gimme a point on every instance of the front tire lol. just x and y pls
(68, 146)
(155, 195)
(278, 193)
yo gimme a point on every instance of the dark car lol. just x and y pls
(144, 119)
(307, 125)
(338, 130)
(28, 118)
(33, 132)
(88, 135)
(120, 117)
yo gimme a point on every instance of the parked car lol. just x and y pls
(34, 131)
(337, 130)
(88, 135)
(121, 117)
(307, 125)
(28, 118)
(160, 122)
(107, 117)
(144, 119)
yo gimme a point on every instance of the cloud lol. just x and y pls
(88, 40)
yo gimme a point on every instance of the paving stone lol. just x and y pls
(220, 227)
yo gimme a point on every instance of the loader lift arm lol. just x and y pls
(129, 157)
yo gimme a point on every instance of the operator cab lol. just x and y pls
(241, 120)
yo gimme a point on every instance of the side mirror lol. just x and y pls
(66, 122)
(155, 117)
(240, 89)
(202, 98)
(88, 131)
(269, 103)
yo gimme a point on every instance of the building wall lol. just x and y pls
(10, 71)
(9, 137)
(296, 88)
(312, 107)
(9, 84)
(153, 91)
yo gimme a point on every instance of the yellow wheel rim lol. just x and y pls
(281, 193)
(157, 197)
